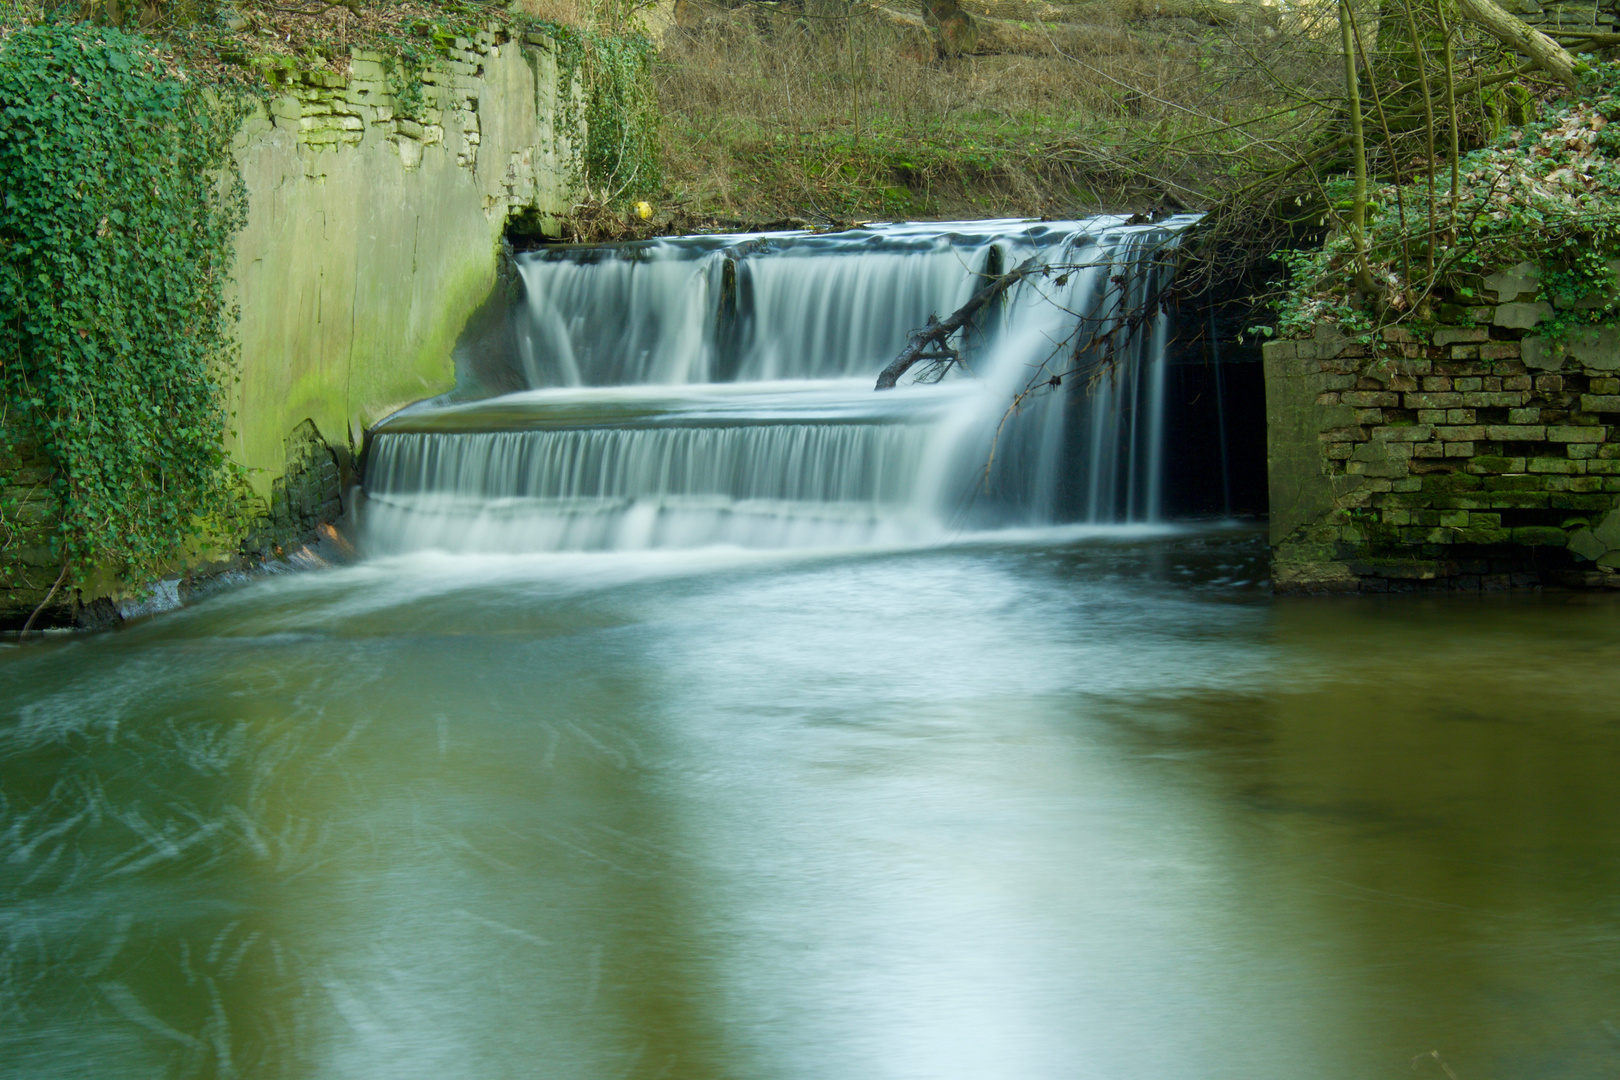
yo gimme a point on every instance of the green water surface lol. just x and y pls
(1067, 808)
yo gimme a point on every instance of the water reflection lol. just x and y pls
(1089, 807)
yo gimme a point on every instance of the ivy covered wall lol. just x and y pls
(345, 225)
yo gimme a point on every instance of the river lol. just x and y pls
(1074, 805)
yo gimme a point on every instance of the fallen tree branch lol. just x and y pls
(1522, 38)
(937, 333)
(43, 604)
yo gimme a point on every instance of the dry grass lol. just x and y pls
(771, 117)
(562, 12)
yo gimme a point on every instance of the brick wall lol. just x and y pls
(1472, 452)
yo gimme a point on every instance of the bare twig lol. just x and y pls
(937, 333)
(43, 604)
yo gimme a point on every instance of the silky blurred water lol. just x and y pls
(1062, 805)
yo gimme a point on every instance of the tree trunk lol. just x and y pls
(954, 30)
(1522, 38)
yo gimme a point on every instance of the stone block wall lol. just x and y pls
(1472, 452)
(1550, 16)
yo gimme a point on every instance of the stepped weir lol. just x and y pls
(718, 390)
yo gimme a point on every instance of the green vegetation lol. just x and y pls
(1547, 192)
(115, 249)
(621, 114)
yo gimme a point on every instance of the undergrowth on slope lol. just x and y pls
(1546, 192)
(620, 111)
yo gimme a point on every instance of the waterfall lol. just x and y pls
(719, 390)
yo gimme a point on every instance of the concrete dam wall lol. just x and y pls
(373, 234)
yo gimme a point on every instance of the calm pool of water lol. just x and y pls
(1063, 808)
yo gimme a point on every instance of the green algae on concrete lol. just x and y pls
(373, 237)
(362, 262)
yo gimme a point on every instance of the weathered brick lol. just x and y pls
(1511, 382)
(1583, 451)
(1523, 278)
(1606, 468)
(1327, 398)
(1485, 463)
(1451, 483)
(1513, 482)
(1554, 465)
(1432, 449)
(1560, 433)
(1416, 535)
(1600, 402)
(1499, 350)
(1518, 316)
(1524, 416)
(1459, 449)
(1433, 400)
(1480, 501)
(1403, 433)
(1502, 399)
(1586, 483)
(1410, 484)
(1339, 451)
(1520, 500)
(1604, 385)
(1465, 352)
(1539, 536)
(1460, 432)
(1549, 384)
(1371, 399)
(1383, 468)
(1454, 519)
(1465, 385)
(1437, 383)
(1562, 500)
(1459, 416)
(1369, 416)
(1451, 335)
(1516, 432)
(1432, 416)
(1403, 382)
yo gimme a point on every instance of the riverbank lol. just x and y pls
(772, 113)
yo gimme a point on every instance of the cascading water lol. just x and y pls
(719, 390)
